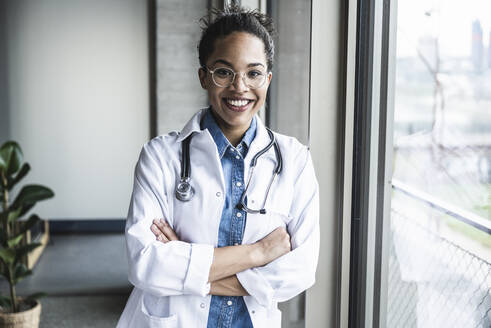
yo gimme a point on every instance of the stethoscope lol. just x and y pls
(185, 192)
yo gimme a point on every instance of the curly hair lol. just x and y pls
(231, 19)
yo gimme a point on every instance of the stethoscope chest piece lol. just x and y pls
(184, 191)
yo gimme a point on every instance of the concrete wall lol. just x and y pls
(289, 91)
(179, 93)
(77, 102)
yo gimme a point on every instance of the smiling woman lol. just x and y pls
(207, 259)
(235, 100)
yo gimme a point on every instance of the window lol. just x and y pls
(421, 243)
(440, 218)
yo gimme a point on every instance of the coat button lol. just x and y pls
(253, 311)
(218, 194)
(229, 303)
(202, 305)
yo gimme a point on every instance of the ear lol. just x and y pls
(270, 76)
(202, 78)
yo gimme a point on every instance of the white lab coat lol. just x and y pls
(171, 279)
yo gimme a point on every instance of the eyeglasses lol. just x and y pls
(224, 77)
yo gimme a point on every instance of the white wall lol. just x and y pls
(78, 99)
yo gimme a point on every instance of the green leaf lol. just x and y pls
(26, 209)
(14, 241)
(3, 165)
(20, 272)
(14, 215)
(22, 173)
(30, 195)
(11, 155)
(24, 249)
(7, 255)
(5, 301)
(26, 225)
(36, 296)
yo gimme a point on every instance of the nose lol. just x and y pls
(239, 82)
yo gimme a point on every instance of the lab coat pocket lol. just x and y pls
(277, 219)
(259, 226)
(150, 319)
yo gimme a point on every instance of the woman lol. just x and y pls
(221, 255)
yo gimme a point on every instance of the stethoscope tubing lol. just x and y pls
(184, 190)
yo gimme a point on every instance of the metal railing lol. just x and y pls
(460, 214)
(433, 282)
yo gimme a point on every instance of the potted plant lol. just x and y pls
(16, 311)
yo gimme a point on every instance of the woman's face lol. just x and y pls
(234, 106)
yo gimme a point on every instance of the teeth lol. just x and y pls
(237, 103)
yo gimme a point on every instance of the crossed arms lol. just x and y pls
(274, 269)
(227, 261)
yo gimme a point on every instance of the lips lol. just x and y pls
(237, 104)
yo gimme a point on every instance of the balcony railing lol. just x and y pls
(434, 281)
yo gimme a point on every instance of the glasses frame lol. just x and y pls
(212, 72)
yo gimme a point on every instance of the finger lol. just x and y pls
(165, 229)
(156, 231)
(169, 233)
(162, 238)
(159, 225)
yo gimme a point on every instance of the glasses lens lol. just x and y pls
(255, 78)
(223, 77)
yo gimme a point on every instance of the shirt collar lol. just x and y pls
(209, 122)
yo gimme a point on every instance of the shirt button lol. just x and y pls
(231, 149)
(218, 194)
(237, 157)
(235, 244)
(238, 184)
(229, 303)
(253, 311)
(239, 214)
(202, 305)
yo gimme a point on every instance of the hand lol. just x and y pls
(274, 245)
(162, 231)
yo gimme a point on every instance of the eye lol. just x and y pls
(223, 72)
(254, 74)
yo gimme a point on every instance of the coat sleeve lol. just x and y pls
(294, 272)
(173, 268)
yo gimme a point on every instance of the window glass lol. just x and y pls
(440, 245)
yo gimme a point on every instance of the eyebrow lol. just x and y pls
(228, 64)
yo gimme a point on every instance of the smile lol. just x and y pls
(237, 105)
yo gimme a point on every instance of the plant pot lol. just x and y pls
(25, 319)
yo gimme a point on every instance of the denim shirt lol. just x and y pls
(230, 311)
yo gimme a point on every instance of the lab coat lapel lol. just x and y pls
(202, 147)
(192, 125)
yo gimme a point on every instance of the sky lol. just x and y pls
(450, 19)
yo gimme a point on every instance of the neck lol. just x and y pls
(232, 133)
